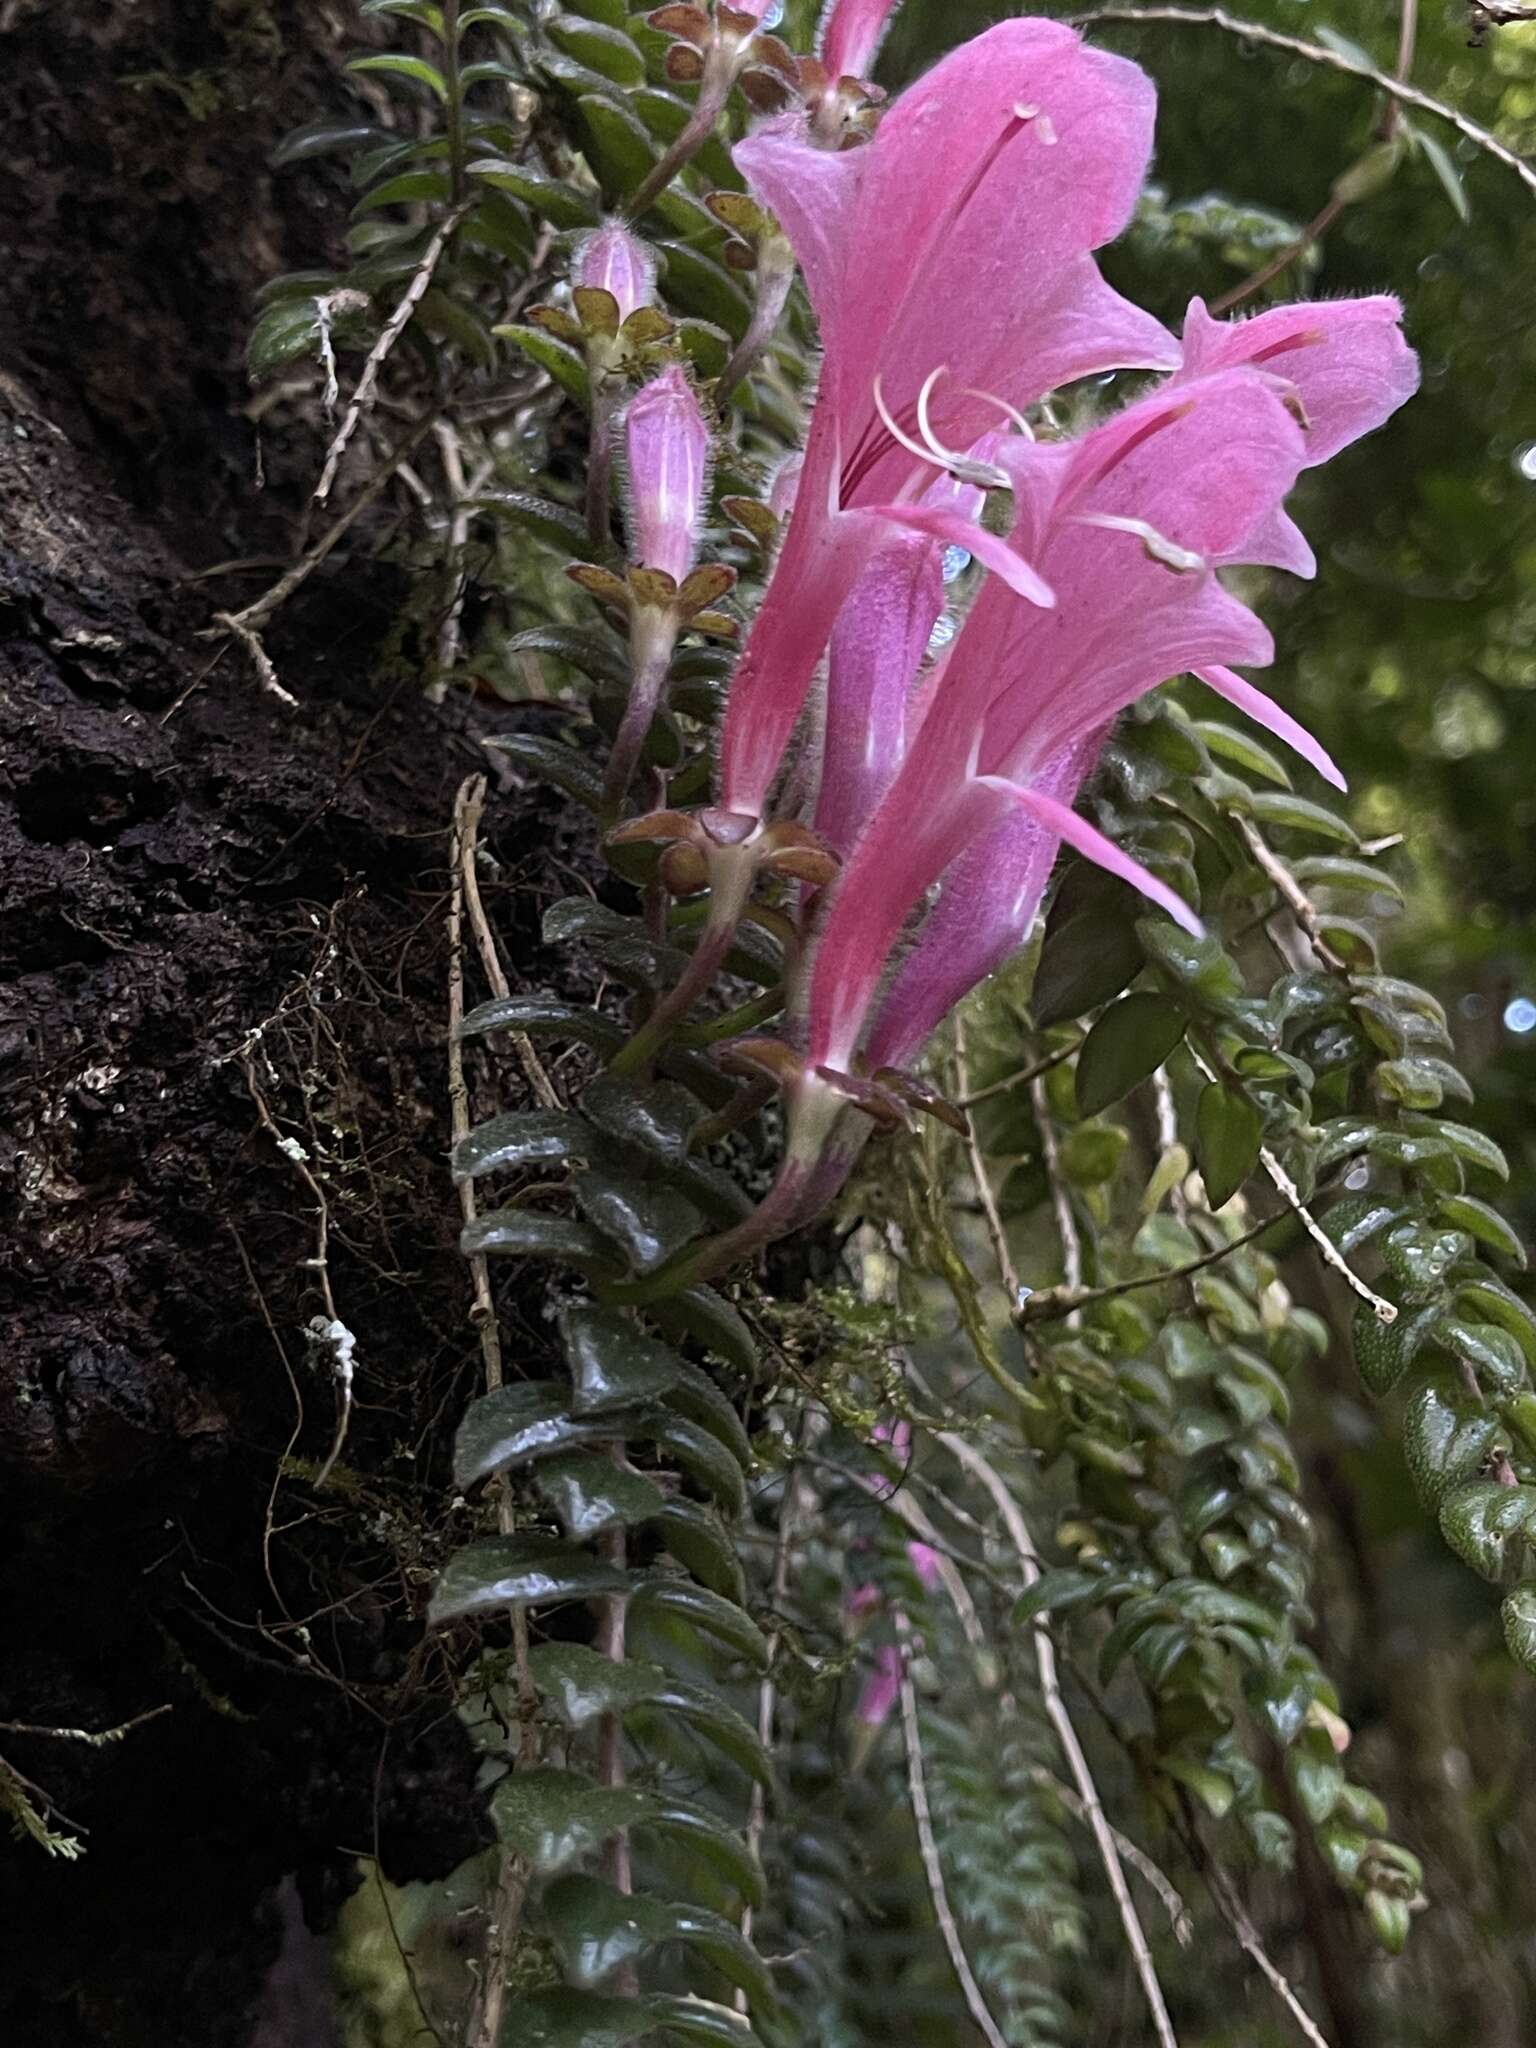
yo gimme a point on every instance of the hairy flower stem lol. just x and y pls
(605, 392)
(811, 1175)
(733, 871)
(715, 90)
(761, 1010)
(653, 636)
(742, 1107)
(775, 275)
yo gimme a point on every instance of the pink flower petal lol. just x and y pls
(1345, 358)
(878, 644)
(1089, 841)
(1263, 710)
(956, 531)
(851, 31)
(988, 903)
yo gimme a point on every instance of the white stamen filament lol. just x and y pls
(1183, 561)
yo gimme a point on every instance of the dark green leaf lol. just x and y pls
(1384, 1351)
(1479, 1220)
(525, 1234)
(709, 1319)
(1130, 1041)
(1090, 951)
(616, 146)
(557, 524)
(553, 762)
(524, 1137)
(647, 1220)
(396, 64)
(704, 288)
(722, 1620)
(704, 1459)
(324, 138)
(1419, 1257)
(1337, 871)
(562, 362)
(555, 1818)
(1492, 1528)
(700, 1542)
(613, 1363)
(597, 1930)
(1500, 1304)
(543, 1017)
(1492, 1353)
(700, 2020)
(1446, 1438)
(513, 1424)
(1244, 749)
(584, 1685)
(1519, 1617)
(561, 205)
(1228, 1134)
(593, 1494)
(1300, 814)
(506, 1572)
(573, 2019)
(602, 49)
(604, 660)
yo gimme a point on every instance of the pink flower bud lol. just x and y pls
(850, 36)
(667, 452)
(613, 260)
(926, 1562)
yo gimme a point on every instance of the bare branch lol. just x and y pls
(1061, 1720)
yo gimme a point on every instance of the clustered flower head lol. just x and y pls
(949, 260)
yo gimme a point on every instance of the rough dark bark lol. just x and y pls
(208, 898)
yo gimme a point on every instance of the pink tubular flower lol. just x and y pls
(878, 644)
(666, 444)
(1344, 368)
(851, 32)
(613, 260)
(882, 1688)
(949, 265)
(1129, 524)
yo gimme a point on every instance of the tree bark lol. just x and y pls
(221, 962)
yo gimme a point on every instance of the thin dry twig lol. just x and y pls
(1230, 1906)
(1061, 1721)
(461, 493)
(768, 1691)
(328, 1332)
(255, 615)
(1061, 1199)
(1331, 60)
(490, 959)
(1155, 1879)
(933, 1869)
(362, 397)
(511, 1892)
(1030, 1073)
(99, 1738)
(261, 661)
(1054, 1302)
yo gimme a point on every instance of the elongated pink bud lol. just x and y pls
(613, 260)
(666, 446)
(850, 36)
